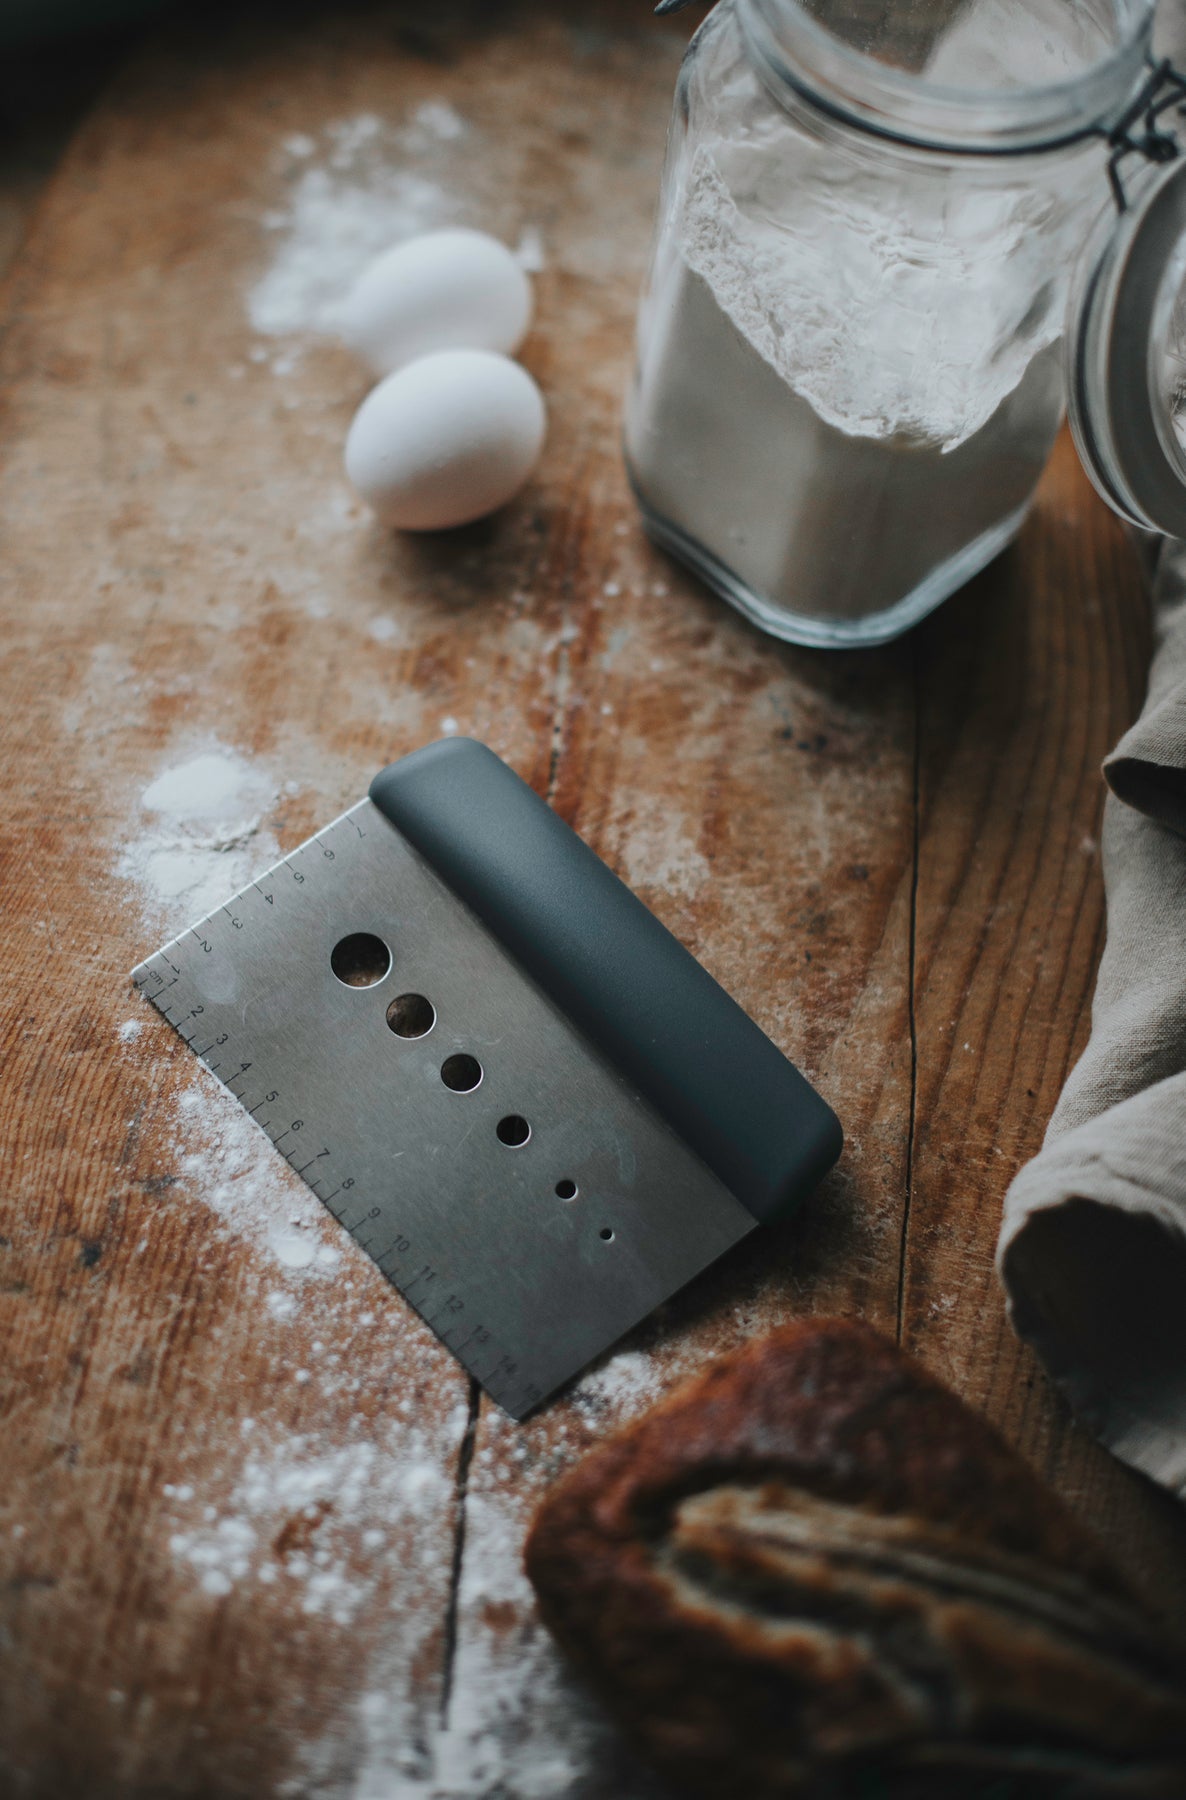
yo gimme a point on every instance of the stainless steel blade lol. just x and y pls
(524, 1285)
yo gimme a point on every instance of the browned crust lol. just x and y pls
(745, 1673)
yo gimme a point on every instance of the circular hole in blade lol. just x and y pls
(461, 1072)
(411, 1016)
(566, 1189)
(513, 1130)
(606, 1234)
(360, 960)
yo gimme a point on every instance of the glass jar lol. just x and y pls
(850, 361)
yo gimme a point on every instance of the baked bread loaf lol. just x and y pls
(815, 1572)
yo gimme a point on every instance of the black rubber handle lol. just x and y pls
(617, 973)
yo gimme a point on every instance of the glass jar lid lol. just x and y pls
(967, 77)
(1126, 355)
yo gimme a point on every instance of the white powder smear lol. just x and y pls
(224, 1160)
(204, 840)
(308, 1516)
(205, 790)
(519, 1722)
(659, 851)
(529, 252)
(624, 1386)
(436, 119)
(348, 1522)
(365, 186)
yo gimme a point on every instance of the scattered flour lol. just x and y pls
(530, 250)
(370, 186)
(295, 1251)
(231, 1166)
(623, 1386)
(659, 851)
(361, 187)
(319, 1519)
(204, 841)
(202, 790)
(351, 1516)
(518, 1723)
(436, 119)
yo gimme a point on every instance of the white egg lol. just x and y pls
(446, 290)
(446, 439)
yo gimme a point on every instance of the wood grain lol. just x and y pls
(1024, 682)
(882, 855)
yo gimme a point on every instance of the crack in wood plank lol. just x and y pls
(465, 1455)
(911, 975)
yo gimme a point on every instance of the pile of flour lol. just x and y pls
(886, 335)
(200, 836)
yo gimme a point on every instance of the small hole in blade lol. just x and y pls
(411, 1016)
(461, 1072)
(513, 1130)
(360, 960)
(566, 1189)
(606, 1234)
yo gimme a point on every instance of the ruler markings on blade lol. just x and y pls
(394, 1260)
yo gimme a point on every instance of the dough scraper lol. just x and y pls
(525, 1100)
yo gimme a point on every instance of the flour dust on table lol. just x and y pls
(226, 1162)
(201, 834)
(360, 188)
(347, 1499)
(516, 1721)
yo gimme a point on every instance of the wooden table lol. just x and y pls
(258, 1535)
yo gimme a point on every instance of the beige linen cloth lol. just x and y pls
(1093, 1246)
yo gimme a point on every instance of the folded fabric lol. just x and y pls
(1092, 1250)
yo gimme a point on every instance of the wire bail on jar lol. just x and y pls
(860, 336)
(1164, 90)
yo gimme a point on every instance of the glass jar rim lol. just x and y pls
(856, 89)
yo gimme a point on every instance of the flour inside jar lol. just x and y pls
(849, 370)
